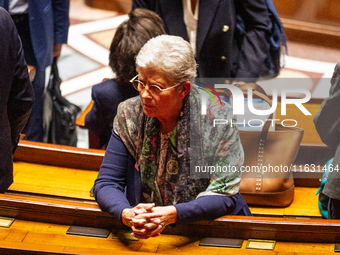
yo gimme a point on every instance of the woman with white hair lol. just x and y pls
(145, 180)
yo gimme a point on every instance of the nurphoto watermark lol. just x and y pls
(248, 110)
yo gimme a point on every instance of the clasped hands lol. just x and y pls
(148, 220)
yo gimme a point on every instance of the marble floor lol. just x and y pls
(84, 60)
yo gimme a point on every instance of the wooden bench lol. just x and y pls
(31, 237)
(63, 182)
(63, 205)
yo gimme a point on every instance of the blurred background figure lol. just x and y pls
(129, 38)
(210, 27)
(43, 28)
(16, 97)
(145, 180)
(327, 123)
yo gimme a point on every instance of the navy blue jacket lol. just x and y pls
(106, 97)
(217, 53)
(119, 186)
(16, 96)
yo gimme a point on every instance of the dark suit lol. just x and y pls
(47, 24)
(327, 123)
(16, 97)
(106, 97)
(216, 51)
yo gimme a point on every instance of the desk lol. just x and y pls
(298, 222)
(30, 237)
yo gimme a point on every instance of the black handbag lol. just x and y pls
(59, 114)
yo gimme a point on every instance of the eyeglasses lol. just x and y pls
(154, 89)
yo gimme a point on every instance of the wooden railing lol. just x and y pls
(281, 224)
(85, 214)
(59, 155)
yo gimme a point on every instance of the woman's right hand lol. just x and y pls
(143, 222)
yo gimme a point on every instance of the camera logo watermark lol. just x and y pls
(238, 100)
(204, 99)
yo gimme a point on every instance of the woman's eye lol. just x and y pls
(154, 88)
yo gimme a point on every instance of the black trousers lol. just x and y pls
(34, 127)
(333, 208)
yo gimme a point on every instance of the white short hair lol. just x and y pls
(171, 54)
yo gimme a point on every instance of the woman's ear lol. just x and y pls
(185, 89)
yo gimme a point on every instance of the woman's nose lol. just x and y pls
(145, 93)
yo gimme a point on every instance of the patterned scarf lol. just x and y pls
(204, 145)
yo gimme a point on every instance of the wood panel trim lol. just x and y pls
(91, 159)
(312, 33)
(59, 155)
(121, 6)
(81, 119)
(244, 227)
(41, 209)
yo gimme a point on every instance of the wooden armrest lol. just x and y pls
(81, 120)
(31, 72)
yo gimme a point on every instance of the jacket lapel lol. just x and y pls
(206, 14)
(172, 11)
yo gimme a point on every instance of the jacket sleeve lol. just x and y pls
(205, 208)
(110, 185)
(21, 95)
(255, 45)
(327, 119)
(61, 20)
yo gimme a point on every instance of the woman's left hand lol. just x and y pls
(146, 228)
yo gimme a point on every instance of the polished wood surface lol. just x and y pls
(81, 119)
(311, 33)
(56, 211)
(310, 21)
(122, 6)
(29, 237)
(59, 155)
(300, 222)
(75, 184)
(319, 12)
(53, 180)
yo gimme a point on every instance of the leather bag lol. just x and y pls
(271, 154)
(59, 114)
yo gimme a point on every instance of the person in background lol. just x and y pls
(210, 27)
(327, 123)
(16, 97)
(145, 179)
(43, 28)
(129, 38)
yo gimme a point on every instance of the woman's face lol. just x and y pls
(164, 105)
